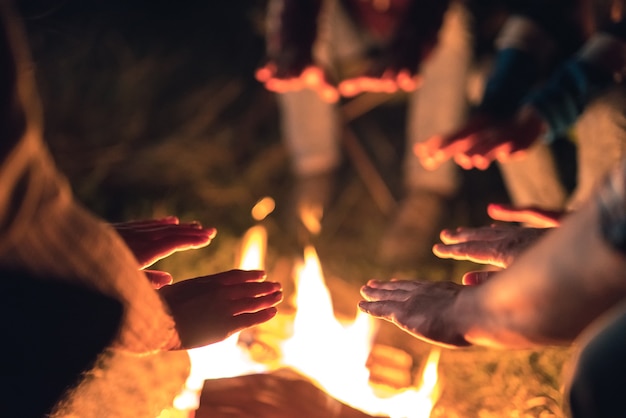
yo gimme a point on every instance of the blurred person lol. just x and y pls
(88, 334)
(569, 286)
(584, 96)
(321, 51)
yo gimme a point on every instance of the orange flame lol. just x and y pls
(331, 354)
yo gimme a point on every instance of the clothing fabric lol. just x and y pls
(596, 389)
(46, 234)
(600, 134)
(585, 95)
(43, 354)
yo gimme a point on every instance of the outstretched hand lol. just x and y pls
(496, 245)
(483, 140)
(209, 309)
(424, 309)
(280, 80)
(154, 239)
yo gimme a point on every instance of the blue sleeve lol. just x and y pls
(561, 101)
(512, 77)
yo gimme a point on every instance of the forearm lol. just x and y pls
(552, 292)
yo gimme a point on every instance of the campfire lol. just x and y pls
(305, 362)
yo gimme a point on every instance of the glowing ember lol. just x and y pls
(263, 208)
(330, 354)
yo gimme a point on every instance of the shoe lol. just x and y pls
(413, 230)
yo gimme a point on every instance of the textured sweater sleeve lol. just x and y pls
(45, 233)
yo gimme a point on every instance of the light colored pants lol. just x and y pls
(600, 135)
(311, 127)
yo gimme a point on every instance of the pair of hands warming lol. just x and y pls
(375, 80)
(206, 309)
(484, 139)
(428, 309)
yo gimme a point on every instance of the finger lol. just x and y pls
(312, 77)
(428, 152)
(247, 320)
(255, 304)
(485, 233)
(473, 159)
(328, 93)
(266, 72)
(232, 277)
(251, 290)
(393, 284)
(168, 231)
(457, 141)
(503, 152)
(487, 151)
(475, 251)
(463, 161)
(388, 86)
(514, 156)
(374, 294)
(367, 84)
(406, 81)
(481, 162)
(148, 253)
(158, 279)
(348, 88)
(538, 218)
(385, 309)
(146, 223)
(454, 146)
(486, 140)
(506, 213)
(473, 278)
(279, 85)
(179, 241)
(160, 228)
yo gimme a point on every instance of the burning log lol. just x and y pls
(282, 394)
(305, 362)
(390, 369)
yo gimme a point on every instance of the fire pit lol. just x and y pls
(305, 362)
(254, 374)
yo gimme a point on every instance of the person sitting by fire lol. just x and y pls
(570, 284)
(86, 334)
(583, 99)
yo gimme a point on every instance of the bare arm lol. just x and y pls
(548, 296)
(552, 292)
